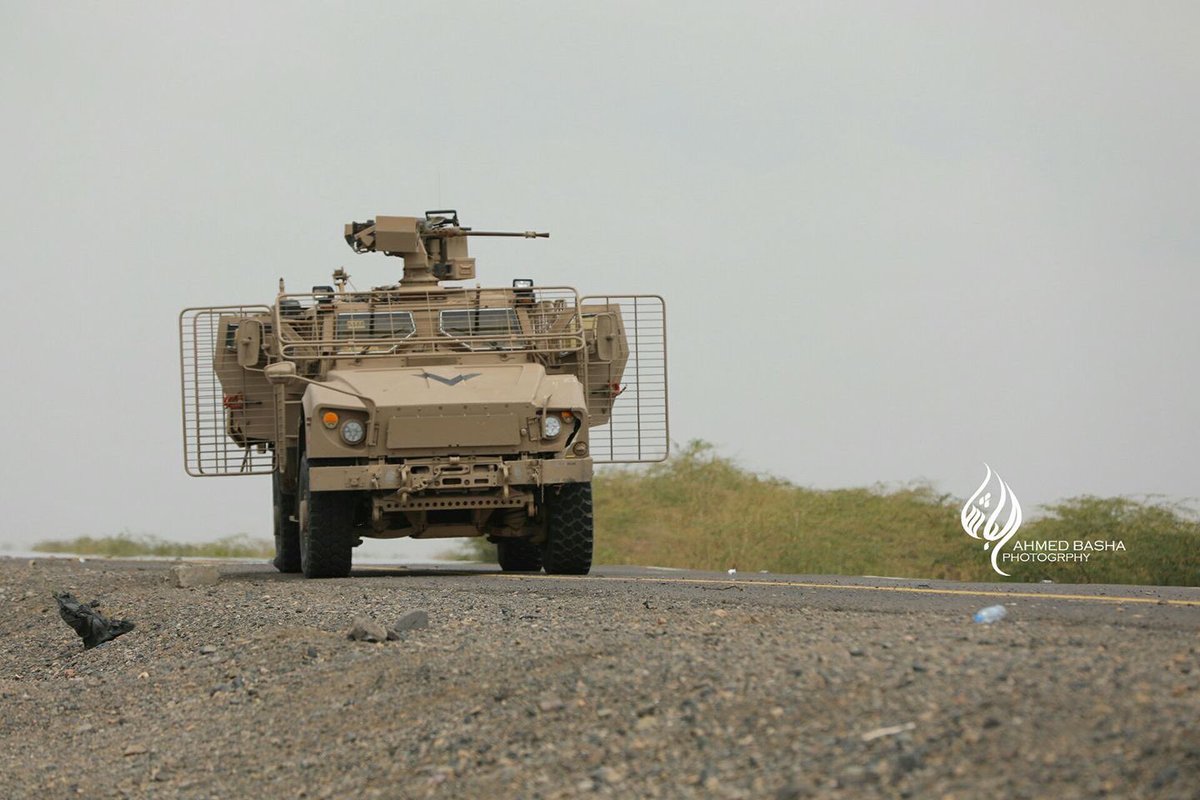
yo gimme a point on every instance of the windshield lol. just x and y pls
(364, 326)
(496, 327)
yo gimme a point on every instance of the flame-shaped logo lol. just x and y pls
(981, 515)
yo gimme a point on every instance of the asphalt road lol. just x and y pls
(630, 682)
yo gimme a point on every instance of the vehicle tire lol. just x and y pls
(568, 546)
(518, 555)
(287, 529)
(326, 530)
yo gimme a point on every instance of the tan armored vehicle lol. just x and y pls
(426, 408)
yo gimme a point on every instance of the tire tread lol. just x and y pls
(569, 530)
(327, 541)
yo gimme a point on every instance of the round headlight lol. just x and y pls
(353, 431)
(551, 427)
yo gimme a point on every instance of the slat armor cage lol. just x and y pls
(615, 344)
(216, 440)
(637, 431)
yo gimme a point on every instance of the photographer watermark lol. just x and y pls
(994, 515)
(982, 514)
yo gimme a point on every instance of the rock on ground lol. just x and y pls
(186, 576)
(365, 629)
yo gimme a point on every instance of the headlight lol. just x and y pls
(353, 431)
(551, 427)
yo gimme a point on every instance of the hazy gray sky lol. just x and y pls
(897, 240)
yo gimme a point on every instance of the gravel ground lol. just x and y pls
(613, 687)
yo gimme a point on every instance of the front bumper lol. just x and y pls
(466, 474)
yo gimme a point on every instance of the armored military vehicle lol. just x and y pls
(427, 408)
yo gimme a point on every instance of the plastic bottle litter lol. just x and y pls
(990, 614)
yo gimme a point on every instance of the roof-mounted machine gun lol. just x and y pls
(434, 248)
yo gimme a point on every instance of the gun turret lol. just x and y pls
(434, 248)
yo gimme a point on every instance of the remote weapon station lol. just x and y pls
(426, 408)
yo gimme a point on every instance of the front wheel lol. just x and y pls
(326, 530)
(568, 546)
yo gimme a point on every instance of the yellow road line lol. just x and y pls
(906, 589)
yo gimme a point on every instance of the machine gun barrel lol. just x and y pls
(449, 232)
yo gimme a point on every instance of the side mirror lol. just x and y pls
(281, 372)
(606, 330)
(249, 343)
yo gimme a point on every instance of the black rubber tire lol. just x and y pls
(568, 546)
(287, 529)
(326, 530)
(518, 555)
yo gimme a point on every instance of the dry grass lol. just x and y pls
(1162, 542)
(125, 545)
(701, 511)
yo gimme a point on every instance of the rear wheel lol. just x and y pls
(326, 530)
(287, 529)
(568, 546)
(518, 555)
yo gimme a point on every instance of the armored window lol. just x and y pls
(365, 328)
(483, 328)
(354, 326)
